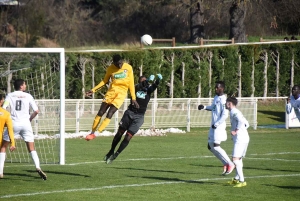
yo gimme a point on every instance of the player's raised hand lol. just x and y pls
(151, 78)
(200, 107)
(159, 76)
(89, 93)
(135, 103)
(12, 148)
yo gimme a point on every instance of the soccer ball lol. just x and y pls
(146, 39)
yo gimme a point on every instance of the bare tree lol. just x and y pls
(210, 57)
(253, 77)
(275, 57)
(239, 74)
(264, 56)
(196, 20)
(237, 18)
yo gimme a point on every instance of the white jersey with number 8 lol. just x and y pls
(20, 103)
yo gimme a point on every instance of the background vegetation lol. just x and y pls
(74, 23)
(248, 70)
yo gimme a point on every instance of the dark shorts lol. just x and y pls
(131, 121)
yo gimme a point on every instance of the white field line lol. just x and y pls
(172, 158)
(280, 153)
(139, 185)
(272, 159)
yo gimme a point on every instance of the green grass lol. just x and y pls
(271, 112)
(174, 167)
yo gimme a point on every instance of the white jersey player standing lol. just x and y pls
(20, 103)
(240, 138)
(217, 131)
(293, 102)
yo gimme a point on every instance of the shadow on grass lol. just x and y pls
(62, 173)
(245, 168)
(168, 179)
(33, 176)
(150, 170)
(277, 116)
(285, 187)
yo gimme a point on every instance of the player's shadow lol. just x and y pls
(246, 167)
(150, 170)
(22, 175)
(63, 173)
(176, 180)
(269, 169)
(277, 116)
(285, 187)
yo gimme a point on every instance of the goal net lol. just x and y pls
(43, 71)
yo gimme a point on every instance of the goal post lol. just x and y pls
(61, 53)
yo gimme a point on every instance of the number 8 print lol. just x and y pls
(18, 105)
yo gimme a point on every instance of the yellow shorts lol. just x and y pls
(116, 98)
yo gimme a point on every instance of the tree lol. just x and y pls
(196, 20)
(237, 17)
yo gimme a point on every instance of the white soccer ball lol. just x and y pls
(146, 39)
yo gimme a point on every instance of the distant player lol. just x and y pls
(217, 131)
(133, 117)
(121, 75)
(294, 101)
(20, 103)
(240, 137)
(5, 121)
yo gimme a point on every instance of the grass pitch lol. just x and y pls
(172, 167)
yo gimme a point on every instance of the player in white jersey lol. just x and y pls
(294, 101)
(240, 137)
(20, 103)
(217, 131)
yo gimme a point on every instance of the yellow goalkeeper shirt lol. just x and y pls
(5, 121)
(121, 80)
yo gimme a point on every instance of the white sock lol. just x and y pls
(218, 156)
(239, 169)
(237, 177)
(212, 150)
(2, 160)
(223, 155)
(35, 159)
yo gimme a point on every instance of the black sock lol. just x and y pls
(115, 142)
(123, 145)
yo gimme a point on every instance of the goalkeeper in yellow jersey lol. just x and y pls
(121, 75)
(5, 121)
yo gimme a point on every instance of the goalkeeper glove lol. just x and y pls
(151, 78)
(159, 76)
(213, 126)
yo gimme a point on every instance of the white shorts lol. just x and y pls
(217, 135)
(239, 150)
(23, 130)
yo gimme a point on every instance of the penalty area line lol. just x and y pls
(140, 185)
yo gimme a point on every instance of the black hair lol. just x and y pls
(221, 83)
(232, 100)
(18, 83)
(143, 76)
(117, 58)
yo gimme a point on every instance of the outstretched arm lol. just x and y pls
(154, 86)
(101, 84)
